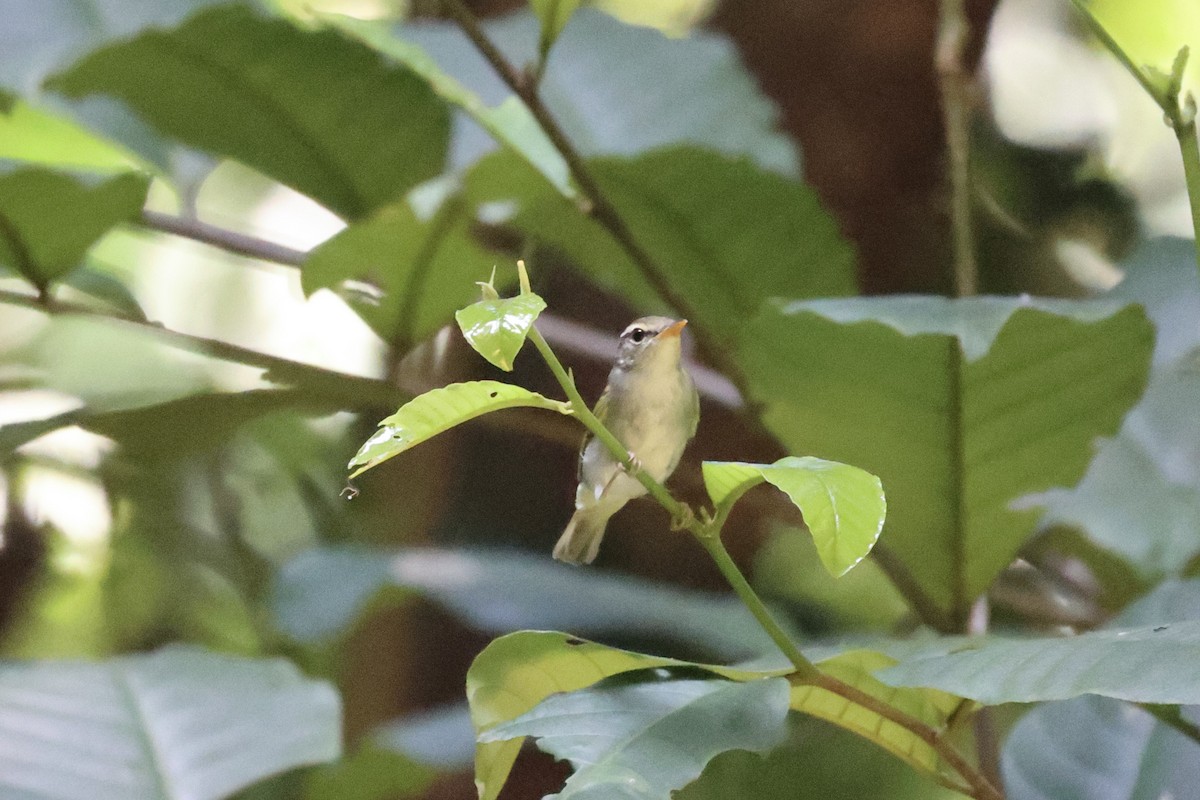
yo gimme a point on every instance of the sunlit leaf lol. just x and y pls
(49, 220)
(440, 410)
(33, 135)
(179, 724)
(312, 109)
(960, 407)
(497, 328)
(644, 740)
(672, 17)
(843, 506)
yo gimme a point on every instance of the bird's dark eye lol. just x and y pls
(637, 334)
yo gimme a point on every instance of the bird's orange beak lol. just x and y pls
(673, 330)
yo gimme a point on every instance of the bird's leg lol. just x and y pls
(682, 518)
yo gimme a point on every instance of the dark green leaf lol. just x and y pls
(553, 15)
(312, 109)
(49, 220)
(647, 739)
(425, 268)
(180, 723)
(726, 235)
(497, 328)
(843, 506)
(960, 407)
(370, 773)
(438, 411)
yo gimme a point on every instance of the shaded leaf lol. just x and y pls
(508, 121)
(235, 83)
(644, 740)
(180, 723)
(960, 407)
(586, 87)
(553, 15)
(370, 773)
(321, 593)
(425, 268)
(497, 328)
(516, 672)
(757, 235)
(440, 410)
(843, 506)
(49, 220)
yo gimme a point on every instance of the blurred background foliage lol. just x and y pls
(250, 224)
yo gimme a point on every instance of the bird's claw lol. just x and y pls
(634, 466)
(682, 518)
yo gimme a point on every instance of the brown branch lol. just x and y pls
(229, 241)
(955, 85)
(980, 787)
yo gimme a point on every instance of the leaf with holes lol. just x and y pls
(440, 410)
(178, 724)
(312, 109)
(961, 407)
(497, 328)
(49, 220)
(843, 506)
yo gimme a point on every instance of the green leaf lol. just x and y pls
(553, 14)
(1147, 664)
(49, 220)
(509, 122)
(647, 739)
(370, 773)
(756, 234)
(843, 506)
(672, 17)
(312, 109)
(586, 87)
(34, 135)
(516, 672)
(1058, 751)
(322, 592)
(960, 407)
(497, 328)
(425, 268)
(934, 708)
(178, 723)
(440, 410)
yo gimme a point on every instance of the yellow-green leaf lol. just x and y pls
(439, 410)
(843, 506)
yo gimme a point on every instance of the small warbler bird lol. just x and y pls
(650, 405)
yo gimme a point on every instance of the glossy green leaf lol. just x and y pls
(497, 328)
(181, 723)
(960, 407)
(516, 672)
(932, 707)
(843, 506)
(646, 739)
(508, 121)
(757, 235)
(49, 220)
(440, 410)
(312, 109)
(425, 268)
(322, 593)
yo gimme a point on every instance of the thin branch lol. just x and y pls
(1173, 717)
(980, 787)
(955, 84)
(226, 240)
(598, 206)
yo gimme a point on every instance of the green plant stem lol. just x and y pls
(1171, 716)
(1189, 147)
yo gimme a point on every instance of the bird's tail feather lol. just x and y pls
(580, 541)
